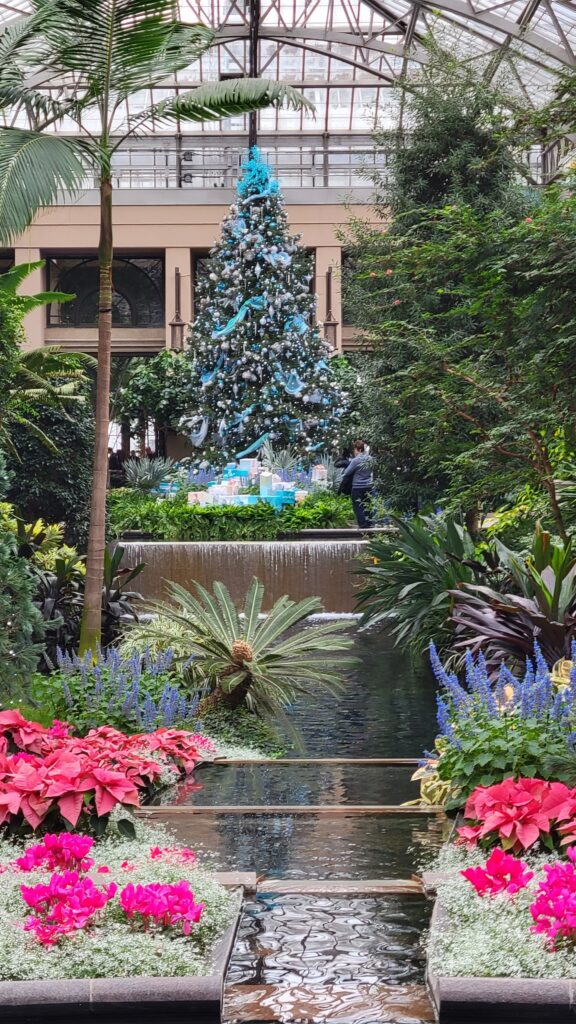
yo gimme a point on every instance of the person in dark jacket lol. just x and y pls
(359, 475)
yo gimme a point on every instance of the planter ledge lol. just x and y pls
(468, 1000)
(123, 1000)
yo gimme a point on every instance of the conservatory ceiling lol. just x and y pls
(347, 54)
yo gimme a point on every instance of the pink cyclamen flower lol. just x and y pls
(501, 873)
(554, 908)
(397, 302)
(64, 850)
(66, 904)
(161, 906)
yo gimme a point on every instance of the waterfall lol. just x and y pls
(318, 568)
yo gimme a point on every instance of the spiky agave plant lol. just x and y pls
(247, 658)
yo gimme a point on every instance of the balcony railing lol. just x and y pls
(174, 165)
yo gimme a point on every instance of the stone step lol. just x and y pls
(342, 887)
(386, 1004)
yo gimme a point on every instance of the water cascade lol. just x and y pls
(319, 568)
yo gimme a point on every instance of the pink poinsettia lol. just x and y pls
(516, 812)
(501, 873)
(52, 770)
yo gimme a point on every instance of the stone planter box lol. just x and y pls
(122, 1000)
(500, 1000)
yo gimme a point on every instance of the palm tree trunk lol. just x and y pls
(92, 613)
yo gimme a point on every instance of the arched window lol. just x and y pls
(137, 298)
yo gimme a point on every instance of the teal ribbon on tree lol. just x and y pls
(257, 302)
(255, 446)
(296, 323)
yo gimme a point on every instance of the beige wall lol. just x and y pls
(174, 224)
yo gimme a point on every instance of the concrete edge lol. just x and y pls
(469, 1000)
(203, 993)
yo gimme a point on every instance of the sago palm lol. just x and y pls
(101, 54)
(247, 658)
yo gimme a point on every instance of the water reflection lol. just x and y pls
(317, 845)
(387, 709)
(264, 784)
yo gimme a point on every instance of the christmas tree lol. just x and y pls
(261, 368)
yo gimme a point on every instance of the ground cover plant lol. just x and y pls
(504, 916)
(50, 778)
(72, 908)
(492, 730)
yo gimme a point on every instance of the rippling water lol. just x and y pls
(388, 707)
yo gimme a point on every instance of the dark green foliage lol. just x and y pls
(242, 727)
(11, 337)
(118, 602)
(455, 147)
(55, 486)
(413, 574)
(156, 388)
(174, 519)
(433, 293)
(492, 749)
(21, 628)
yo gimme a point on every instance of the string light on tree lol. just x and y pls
(261, 369)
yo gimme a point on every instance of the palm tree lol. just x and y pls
(101, 54)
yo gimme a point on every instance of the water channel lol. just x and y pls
(329, 955)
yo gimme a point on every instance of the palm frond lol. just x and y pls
(215, 100)
(34, 168)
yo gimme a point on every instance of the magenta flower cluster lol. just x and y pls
(65, 851)
(554, 909)
(66, 904)
(71, 901)
(501, 873)
(161, 906)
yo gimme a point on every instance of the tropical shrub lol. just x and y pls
(54, 485)
(514, 729)
(249, 659)
(413, 574)
(135, 694)
(21, 627)
(116, 908)
(175, 519)
(505, 625)
(49, 776)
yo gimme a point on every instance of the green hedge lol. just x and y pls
(174, 519)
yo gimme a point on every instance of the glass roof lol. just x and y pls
(346, 54)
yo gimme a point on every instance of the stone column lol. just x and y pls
(329, 256)
(181, 258)
(35, 321)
